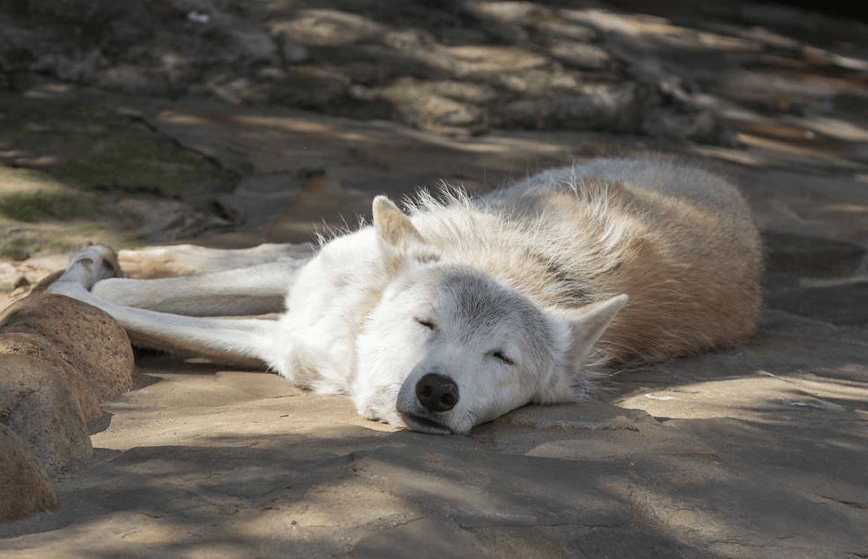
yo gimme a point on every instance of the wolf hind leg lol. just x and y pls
(185, 260)
(229, 340)
(246, 291)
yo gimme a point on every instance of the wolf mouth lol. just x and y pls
(425, 424)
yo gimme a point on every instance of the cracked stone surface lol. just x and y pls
(754, 452)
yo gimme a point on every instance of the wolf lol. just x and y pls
(461, 308)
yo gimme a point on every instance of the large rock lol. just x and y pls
(24, 487)
(810, 256)
(58, 357)
(39, 407)
(87, 337)
(842, 304)
(32, 345)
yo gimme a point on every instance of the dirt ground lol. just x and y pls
(230, 123)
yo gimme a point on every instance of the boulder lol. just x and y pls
(811, 256)
(58, 358)
(86, 337)
(32, 345)
(24, 487)
(38, 406)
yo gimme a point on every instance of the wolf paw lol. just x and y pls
(88, 265)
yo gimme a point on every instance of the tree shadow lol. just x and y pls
(792, 471)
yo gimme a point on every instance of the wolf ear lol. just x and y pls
(588, 323)
(584, 326)
(397, 237)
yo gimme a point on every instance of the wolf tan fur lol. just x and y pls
(690, 260)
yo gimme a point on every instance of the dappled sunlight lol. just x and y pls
(267, 120)
(761, 397)
(64, 163)
(42, 215)
(204, 405)
(662, 32)
(705, 506)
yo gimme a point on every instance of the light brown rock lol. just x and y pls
(24, 487)
(33, 345)
(86, 337)
(40, 408)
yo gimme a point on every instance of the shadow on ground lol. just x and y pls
(235, 123)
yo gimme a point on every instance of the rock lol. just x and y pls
(616, 107)
(293, 53)
(697, 126)
(242, 41)
(322, 202)
(87, 337)
(813, 277)
(164, 220)
(37, 347)
(343, 63)
(471, 485)
(327, 28)
(82, 12)
(39, 407)
(24, 487)
(811, 256)
(754, 452)
(837, 304)
(403, 540)
(435, 105)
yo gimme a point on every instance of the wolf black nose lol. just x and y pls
(436, 392)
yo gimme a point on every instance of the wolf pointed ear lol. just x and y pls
(588, 323)
(397, 236)
(583, 326)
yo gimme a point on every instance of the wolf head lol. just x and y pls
(448, 347)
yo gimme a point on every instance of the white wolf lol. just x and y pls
(468, 308)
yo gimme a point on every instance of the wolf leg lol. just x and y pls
(246, 291)
(185, 260)
(226, 339)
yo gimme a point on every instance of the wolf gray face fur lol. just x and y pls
(448, 347)
(465, 342)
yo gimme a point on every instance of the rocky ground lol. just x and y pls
(235, 122)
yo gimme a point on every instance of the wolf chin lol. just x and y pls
(465, 308)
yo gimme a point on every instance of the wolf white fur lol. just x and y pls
(470, 307)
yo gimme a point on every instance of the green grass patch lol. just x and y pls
(33, 207)
(133, 162)
(28, 196)
(61, 237)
